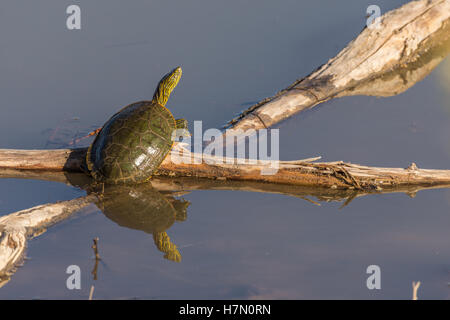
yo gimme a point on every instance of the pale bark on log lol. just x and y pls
(411, 41)
(338, 175)
(16, 228)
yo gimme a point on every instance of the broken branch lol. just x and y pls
(382, 61)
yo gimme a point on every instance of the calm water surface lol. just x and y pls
(233, 244)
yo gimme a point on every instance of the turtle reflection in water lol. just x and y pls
(143, 208)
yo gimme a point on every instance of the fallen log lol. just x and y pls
(16, 228)
(409, 43)
(337, 175)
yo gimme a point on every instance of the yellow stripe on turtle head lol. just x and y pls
(166, 86)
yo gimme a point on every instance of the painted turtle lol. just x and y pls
(133, 143)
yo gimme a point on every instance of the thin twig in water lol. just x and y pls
(415, 286)
(95, 247)
(91, 293)
(97, 257)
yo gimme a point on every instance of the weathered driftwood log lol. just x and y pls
(339, 175)
(16, 228)
(409, 43)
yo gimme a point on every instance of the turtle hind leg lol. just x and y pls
(181, 124)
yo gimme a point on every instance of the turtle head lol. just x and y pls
(166, 86)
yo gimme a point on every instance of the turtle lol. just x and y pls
(134, 142)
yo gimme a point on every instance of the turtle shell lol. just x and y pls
(132, 144)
